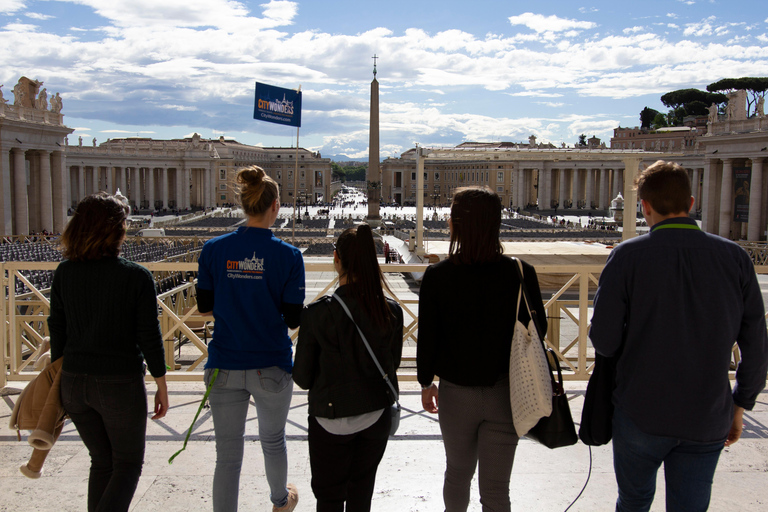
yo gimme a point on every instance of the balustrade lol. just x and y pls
(567, 291)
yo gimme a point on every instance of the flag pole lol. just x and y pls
(295, 180)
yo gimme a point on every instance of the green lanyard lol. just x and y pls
(202, 403)
(677, 226)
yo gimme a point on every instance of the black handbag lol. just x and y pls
(557, 429)
(597, 414)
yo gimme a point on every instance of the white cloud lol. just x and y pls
(541, 23)
(763, 38)
(38, 16)
(585, 10)
(550, 103)
(11, 6)
(632, 30)
(671, 15)
(687, 2)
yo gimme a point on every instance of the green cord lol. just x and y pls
(202, 403)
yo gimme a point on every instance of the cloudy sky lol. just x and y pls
(449, 71)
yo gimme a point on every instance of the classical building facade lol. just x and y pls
(42, 175)
(152, 173)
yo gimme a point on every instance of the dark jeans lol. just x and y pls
(110, 414)
(689, 468)
(344, 467)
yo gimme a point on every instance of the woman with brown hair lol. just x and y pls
(467, 306)
(257, 281)
(349, 402)
(104, 323)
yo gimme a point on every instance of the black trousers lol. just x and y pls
(344, 467)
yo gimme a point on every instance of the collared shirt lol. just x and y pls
(677, 299)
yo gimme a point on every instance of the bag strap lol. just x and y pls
(557, 385)
(370, 350)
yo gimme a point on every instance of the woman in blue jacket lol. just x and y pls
(254, 284)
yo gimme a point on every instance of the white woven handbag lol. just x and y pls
(530, 381)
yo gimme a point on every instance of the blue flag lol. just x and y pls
(277, 105)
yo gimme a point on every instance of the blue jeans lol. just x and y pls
(110, 414)
(689, 468)
(271, 389)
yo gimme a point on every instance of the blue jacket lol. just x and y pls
(678, 298)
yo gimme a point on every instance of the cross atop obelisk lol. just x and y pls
(374, 65)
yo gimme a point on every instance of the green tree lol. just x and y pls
(689, 102)
(756, 88)
(582, 140)
(647, 115)
(659, 121)
(338, 172)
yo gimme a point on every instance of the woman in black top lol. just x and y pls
(466, 321)
(104, 323)
(348, 399)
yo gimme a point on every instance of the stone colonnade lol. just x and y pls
(147, 188)
(732, 197)
(552, 185)
(32, 192)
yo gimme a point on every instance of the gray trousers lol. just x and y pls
(476, 423)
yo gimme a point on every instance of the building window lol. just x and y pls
(222, 186)
(413, 176)
(279, 175)
(223, 197)
(500, 177)
(437, 176)
(500, 190)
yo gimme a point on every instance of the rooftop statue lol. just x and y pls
(712, 118)
(759, 108)
(3, 101)
(41, 103)
(56, 104)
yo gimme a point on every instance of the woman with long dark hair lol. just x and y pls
(349, 420)
(466, 321)
(104, 323)
(254, 284)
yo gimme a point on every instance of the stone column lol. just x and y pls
(151, 187)
(124, 180)
(605, 200)
(164, 187)
(6, 207)
(709, 220)
(545, 188)
(95, 178)
(589, 187)
(618, 183)
(207, 187)
(20, 209)
(179, 199)
(110, 190)
(755, 229)
(695, 189)
(185, 187)
(726, 199)
(563, 192)
(59, 181)
(578, 189)
(46, 192)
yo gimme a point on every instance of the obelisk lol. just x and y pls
(373, 176)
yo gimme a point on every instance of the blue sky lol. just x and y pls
(449, 71)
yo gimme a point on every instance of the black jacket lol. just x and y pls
(333, 363)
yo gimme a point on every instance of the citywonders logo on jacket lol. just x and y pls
(249, 268)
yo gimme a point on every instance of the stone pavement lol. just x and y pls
(409, 478)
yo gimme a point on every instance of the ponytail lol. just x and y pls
(257, 191)
(357, 253)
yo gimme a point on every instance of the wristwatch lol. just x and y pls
(423, 387)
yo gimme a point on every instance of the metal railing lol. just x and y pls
(25, 317)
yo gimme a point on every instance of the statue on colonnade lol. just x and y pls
(56, 103)
(41, 103)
